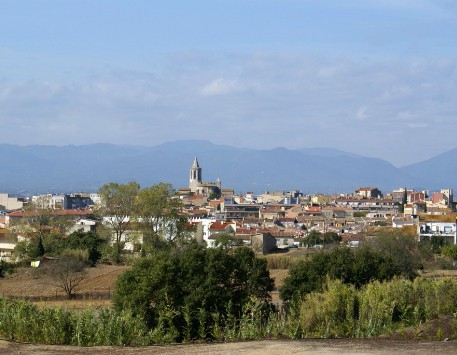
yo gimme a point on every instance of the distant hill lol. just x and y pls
(437, 172)
(52, 169)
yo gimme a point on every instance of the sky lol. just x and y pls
(372, 77)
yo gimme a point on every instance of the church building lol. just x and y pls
(197, 187)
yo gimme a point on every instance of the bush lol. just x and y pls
(25, 322)
(376, 308)
(88, 241)
(6, 267)
(352, 266)
(402, 247)
(184, 288)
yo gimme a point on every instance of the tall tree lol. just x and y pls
(404, 200)
(117, 205)
(159, 215)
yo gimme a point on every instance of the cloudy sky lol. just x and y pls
(378, 78)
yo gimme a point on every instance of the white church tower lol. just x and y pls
(195, 178)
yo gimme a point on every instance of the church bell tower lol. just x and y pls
(195, 178)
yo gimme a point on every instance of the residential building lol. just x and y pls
(10, 203)
(368, 192)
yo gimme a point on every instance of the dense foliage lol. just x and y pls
(5, 267)
(185, 288)
(376, 308)
(402, 247)
(54, 244)
(317, 238)
(356, 266)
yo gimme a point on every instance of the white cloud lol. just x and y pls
(221, 86)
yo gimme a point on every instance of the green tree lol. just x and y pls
(404, 200)
(313, 238)
(159, 215)
(89, 241)
(401, 247)
(226, 241)
(116, 207)
(192, 281)
(331, 238)
(215, 194)
(450, 250)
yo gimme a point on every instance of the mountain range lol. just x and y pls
(60, 169)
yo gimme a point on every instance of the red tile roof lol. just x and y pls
(219, 226)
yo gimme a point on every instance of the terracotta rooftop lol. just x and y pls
(219, 226)
(196, 197)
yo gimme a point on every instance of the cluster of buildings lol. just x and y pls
(273, 219)
(287, 217)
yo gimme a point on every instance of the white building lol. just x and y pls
(10, 203)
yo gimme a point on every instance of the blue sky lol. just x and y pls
(378, 78)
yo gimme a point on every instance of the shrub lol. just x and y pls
(191, 281)
(354, 266)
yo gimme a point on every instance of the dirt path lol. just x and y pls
(270, 347)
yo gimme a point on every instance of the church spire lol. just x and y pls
(195, 164)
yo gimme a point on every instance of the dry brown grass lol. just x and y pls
(278, 275)
(28, 282)
(449, 217)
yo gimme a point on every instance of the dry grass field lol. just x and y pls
(93, 291)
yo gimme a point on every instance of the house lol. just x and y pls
(368, 192)
(263, 243)
(295, 211)
(439, 226)
(272, 212)
(7, 245)
(416, 197)
(10, 203)
(84, 225)
(197, 213)
(337, 212)
(218, 227)
(367, 204)
(239, 212)
(286, 222)
(283, 238)
(400, 222)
